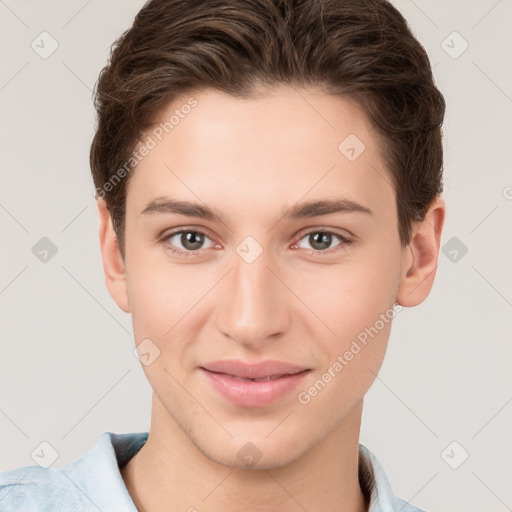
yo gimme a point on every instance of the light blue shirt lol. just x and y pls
(93, 482)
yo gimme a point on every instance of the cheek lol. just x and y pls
(162, 305)
(355, 305)
(170, 304)
(159, 300)
(350, 297)
(359, 312)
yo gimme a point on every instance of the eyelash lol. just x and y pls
(344, 242)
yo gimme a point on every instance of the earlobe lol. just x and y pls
(420, 259)
(113, 264)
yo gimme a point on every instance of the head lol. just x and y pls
(250, 110)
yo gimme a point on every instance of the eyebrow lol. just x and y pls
(324, 207)
(166, 205)
(299, 211)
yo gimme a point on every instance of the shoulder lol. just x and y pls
(405, 506)
(377, 487)
(37, 489)
(91, 482)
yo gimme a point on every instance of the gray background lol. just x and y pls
(67, 371)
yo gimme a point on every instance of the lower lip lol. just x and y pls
(248, 393)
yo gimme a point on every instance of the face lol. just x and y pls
(268, 274)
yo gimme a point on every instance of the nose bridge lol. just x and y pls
(253, 307)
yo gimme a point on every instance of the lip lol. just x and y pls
(229, 378)
(262, 369)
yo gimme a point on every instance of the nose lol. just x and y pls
(253, 303)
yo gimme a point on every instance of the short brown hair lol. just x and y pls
(357, 49)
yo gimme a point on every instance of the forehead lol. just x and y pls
(281, 146)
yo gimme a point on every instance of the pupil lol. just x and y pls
(323, 240)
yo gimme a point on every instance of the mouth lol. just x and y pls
(268, 369)
(260, 379)
(253, 386)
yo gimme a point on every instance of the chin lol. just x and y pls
(257, 452)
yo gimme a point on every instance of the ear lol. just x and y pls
(113, 264)
(419, 262)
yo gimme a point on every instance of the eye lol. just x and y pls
(322, 239)
(186, 241)
(190, 242)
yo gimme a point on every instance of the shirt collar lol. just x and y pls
(375, 485)
(97, 475)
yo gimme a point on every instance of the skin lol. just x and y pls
(250, 159)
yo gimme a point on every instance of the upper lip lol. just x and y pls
(262, 369)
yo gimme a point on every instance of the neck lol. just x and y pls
(170, 472)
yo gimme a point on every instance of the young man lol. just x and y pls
(268, 177)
